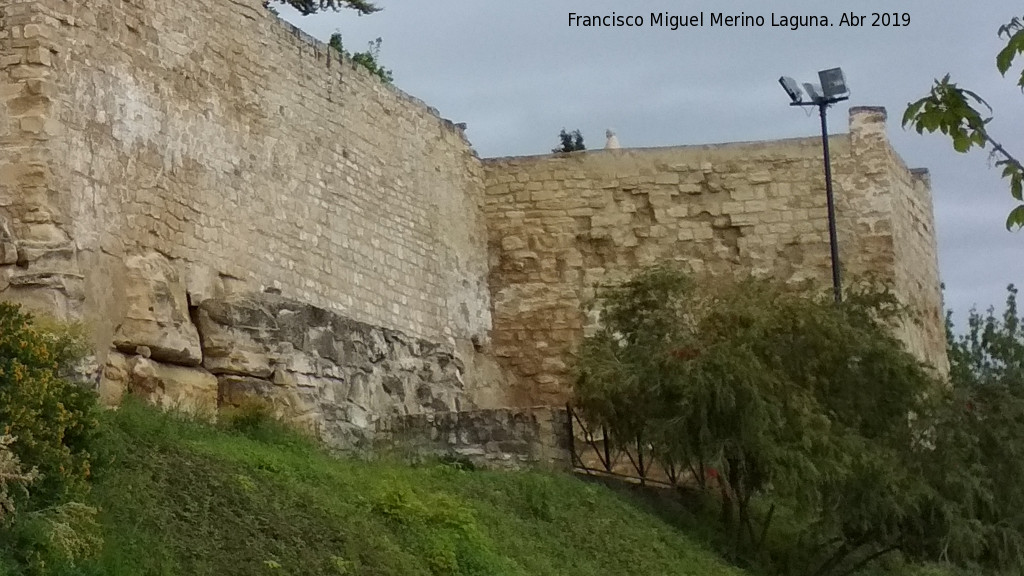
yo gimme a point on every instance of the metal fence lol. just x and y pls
(596, 451)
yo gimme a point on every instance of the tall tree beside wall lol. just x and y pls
(793, 412)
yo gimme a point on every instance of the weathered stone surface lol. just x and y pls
(8, 253)
(114, 379)
(157, 315)
(237, 337)
(492, 438)
(146, 152)
(191, 390)
(326, 372)
(129, 137)
(755, 207)
(298, 406)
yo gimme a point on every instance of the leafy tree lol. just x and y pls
(964, 116)
(792, 401)
(307, 7)
(978, 456)
(570, 141)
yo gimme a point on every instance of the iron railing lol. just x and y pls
(597, 452)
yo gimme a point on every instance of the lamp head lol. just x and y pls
(833, 83)
(792, 89)
(814, 91)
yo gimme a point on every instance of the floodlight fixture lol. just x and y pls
(831, 90)
(814, 91)
(792, 88)
(833, 83)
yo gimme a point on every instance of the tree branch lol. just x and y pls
(870, 558)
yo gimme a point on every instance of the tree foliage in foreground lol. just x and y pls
(964, 116)
(307, 7)
(49, 416)
(784, 405)
(47, 426)
(983, 430)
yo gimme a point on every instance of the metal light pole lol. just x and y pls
(837, 283)
(833, 89)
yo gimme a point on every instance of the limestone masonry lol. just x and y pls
(235, 213)
(559, 225)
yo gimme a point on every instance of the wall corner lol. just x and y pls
(867, 126)
(39, 266)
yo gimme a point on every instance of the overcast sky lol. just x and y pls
(516, 73)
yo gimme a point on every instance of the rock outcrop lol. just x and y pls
(157, 313)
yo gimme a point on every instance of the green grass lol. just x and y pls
(179, 497)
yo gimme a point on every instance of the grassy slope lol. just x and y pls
(181, 498)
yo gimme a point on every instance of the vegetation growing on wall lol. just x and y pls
(569, 141)
(369, 59)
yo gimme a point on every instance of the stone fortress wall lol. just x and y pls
(235, 212)
(243, 151)
(559, 225)
(156, 156)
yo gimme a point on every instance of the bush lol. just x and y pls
(369, 59)
(978, 456)
(46, 427)
(51, 419)
(58, 537)
(569, 142)
(12, 476)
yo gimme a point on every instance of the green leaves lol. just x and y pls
(794, 401)
(953, 111)
(1016, 218)
(978, 454)
(950, 109)
(51, 418)
(369, 59)
(1014, 32)
(307, 7)
(570, 141)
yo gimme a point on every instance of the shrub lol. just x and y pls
(569, 142)
(369, 59)
(46, 428)
(51, 419)
(58, 537)
(12, 476)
